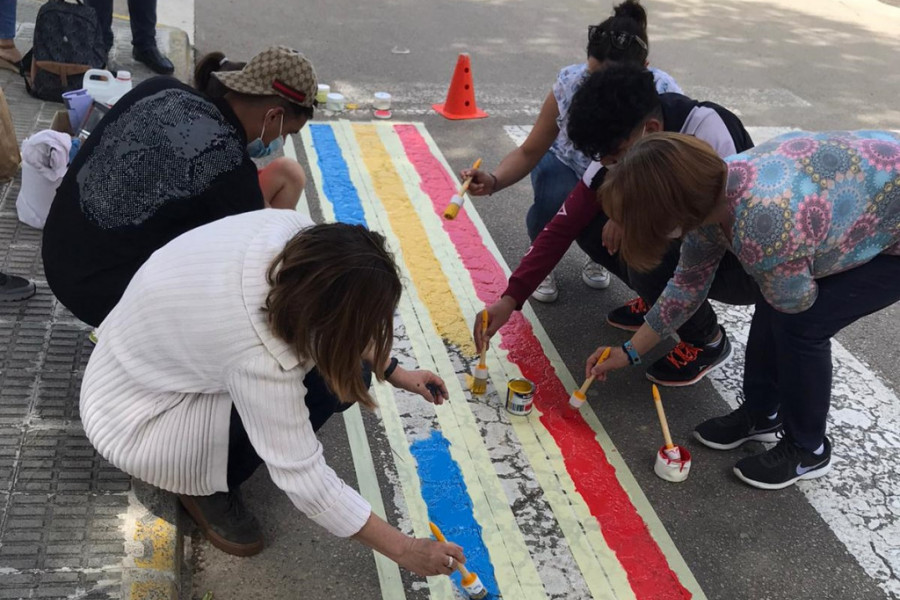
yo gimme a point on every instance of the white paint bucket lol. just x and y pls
(381, 101)
(673, 465)
(322, 94)
(335, 102)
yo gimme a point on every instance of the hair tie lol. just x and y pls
(223, 61)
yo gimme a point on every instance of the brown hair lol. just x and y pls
(213, 62)
(664, 181)
(334, 291)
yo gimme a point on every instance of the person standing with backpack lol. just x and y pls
(142, 16)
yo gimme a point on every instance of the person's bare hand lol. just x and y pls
(422, 382)
(427, 557)
(498, 314)
(616, 360)
(612, 236)
(482, 182)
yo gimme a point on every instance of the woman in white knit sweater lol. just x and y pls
(198, 376)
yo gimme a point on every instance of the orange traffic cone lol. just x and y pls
(460, 102)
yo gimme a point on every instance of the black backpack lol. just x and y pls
(67, 42)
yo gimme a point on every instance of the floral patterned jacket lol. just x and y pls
(805, 206)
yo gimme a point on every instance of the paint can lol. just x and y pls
(519, 397)
(335, 102)
(672, 464)
(322, 94)
(381, 101)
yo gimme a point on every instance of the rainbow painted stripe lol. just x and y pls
(542, 504)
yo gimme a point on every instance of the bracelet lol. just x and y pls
(392, 366)
(633, 357)
(496, 185)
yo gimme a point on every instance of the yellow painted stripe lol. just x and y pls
(388, 571)
(424, 267)
(626, 479)
(515, 571)
(602, 572)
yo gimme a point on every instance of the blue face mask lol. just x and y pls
(257, 149)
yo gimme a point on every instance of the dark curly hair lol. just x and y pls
(608, 106)
(629, 18)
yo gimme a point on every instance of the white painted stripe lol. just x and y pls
(513, 567)
(388, 571)
(639, 500)
(291, 152)
(858, 499)
(598, 565)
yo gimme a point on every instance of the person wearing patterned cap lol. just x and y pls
(167, 159)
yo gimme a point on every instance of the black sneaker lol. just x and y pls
(629, 317)
(686, 364)
(225, 522)
(13, 288)
(783, 465)
(737, 427)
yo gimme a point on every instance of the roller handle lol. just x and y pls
(587, 382)
(468, 180)
(657, 400)
(484, 326)
(436, 532)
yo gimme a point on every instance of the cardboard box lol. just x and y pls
(61, 123)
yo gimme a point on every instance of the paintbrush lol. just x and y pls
(579, 396)
(459, 198)
(480, 373)
(471, 583)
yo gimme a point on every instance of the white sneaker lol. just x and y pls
(547, 291)
(594, 275)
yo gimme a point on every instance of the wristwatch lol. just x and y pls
(633, 357)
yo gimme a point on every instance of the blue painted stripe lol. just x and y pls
(337, 185)
(450, 507)
(443, 488)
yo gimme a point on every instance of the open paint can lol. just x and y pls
(519, 397)
(673, 464)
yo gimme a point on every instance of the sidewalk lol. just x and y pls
(71, 524)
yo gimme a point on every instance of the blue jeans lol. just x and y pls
(552, 181)
(142, 15)
(7, 19)
(788, 365)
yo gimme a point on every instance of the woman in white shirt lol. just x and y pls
(200, 373)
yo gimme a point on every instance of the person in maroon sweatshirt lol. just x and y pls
(614, 108)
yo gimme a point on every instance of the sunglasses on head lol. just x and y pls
(619, 39)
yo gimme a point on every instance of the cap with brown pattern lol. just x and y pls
(276, 71)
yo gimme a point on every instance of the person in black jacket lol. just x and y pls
(167, 159)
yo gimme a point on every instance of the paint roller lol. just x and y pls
(470, 581)
(459, 198)
(579, 396)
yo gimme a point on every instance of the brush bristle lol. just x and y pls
(453, 208)
(479, 386)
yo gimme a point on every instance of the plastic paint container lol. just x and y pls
(335, 102)
(322, 94)
(381, 101)
(519, 397)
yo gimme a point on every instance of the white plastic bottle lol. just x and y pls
(106, 88)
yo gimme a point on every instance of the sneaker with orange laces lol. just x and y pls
(629, 317)
(686, 364)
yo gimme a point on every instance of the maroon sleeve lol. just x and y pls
(551, 244)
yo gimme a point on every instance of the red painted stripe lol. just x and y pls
(595, 479)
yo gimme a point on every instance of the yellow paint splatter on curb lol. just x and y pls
(159, 539)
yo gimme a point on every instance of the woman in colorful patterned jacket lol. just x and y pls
(815, 219)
